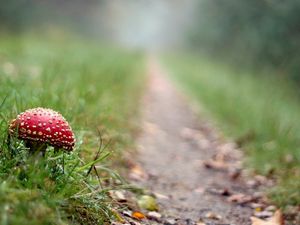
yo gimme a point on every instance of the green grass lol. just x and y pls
(95, 87)
(260, 111)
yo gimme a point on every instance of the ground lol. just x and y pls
(180, 159)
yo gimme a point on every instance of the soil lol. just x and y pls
(172, 150)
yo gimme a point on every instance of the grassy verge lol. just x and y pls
(260, 111)
(95, 88)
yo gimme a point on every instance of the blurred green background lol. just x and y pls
(254, 34)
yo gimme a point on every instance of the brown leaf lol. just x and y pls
(212, 215)
(240, 198)
(137, 173)
(215, 164)
(223, 191)
(138, 215)
(200, 223)
(235, 173)
(276, 219)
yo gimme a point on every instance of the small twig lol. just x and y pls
(100, 150)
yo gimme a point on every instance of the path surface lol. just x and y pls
(172, 147)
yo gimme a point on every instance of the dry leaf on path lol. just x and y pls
(138, 215)
(262, 214)
(161, 196)
(154, 216)
(137, 173)
(200, 223)
(148, 202)
(214, 164)
(276, 219)
(240, 198)
(213, 216)
(117, 195)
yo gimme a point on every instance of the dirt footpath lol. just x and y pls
(187, 163)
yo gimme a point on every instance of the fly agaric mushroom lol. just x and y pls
(40, 127)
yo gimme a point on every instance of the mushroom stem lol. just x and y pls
(36, 146)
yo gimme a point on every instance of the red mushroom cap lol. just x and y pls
(44, 125)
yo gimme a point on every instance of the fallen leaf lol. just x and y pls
(223, 191)
(252, 183)
(263, 214)
(258, 209)
(214, 164)
(276, 219)
(154, 215)
(255, 205)
(138, 215)
(161, 196)
(200, 223)
(240, 198)
(137, 173)
(213, 216)
(234, 173)
(148, 202)
(127, 213)
(117, 195)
